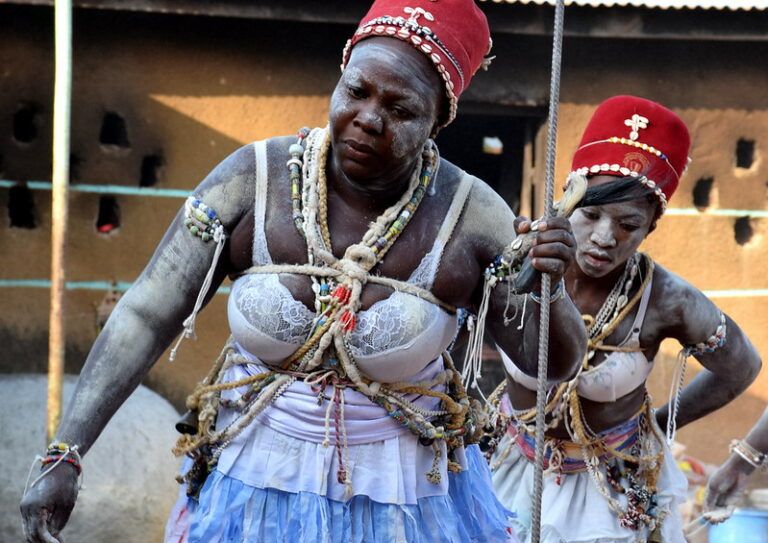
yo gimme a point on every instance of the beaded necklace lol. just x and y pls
(616, 300)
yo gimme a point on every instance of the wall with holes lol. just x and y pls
(158, 100)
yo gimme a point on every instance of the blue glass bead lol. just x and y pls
(211, 213)
(195, 203)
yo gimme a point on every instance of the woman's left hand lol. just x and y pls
(554, 246)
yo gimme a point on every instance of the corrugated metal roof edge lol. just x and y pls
(605, 4)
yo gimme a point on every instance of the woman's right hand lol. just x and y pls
(725, 489)
(46, 507)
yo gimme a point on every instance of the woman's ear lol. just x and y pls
(435, 130)
(652, 227)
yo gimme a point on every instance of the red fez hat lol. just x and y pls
(627, 136)
(453, 34)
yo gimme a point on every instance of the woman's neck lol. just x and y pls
(588, 292)
(373, 195)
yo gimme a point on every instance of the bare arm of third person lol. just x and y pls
(726, 485)
(142, 326)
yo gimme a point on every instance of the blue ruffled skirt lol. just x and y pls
(232, 511)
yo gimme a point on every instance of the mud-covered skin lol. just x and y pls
(151, 312)
(676, 309)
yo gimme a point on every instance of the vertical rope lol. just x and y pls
(541, 387)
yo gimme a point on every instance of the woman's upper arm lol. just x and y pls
(703, 330)
(168, 286)
(490, 222)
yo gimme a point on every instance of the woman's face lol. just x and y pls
(607, 235)
(383, 109)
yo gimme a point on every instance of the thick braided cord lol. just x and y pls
(541, 387)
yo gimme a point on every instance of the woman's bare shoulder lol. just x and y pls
(683, 311)
(488, 220)
(230, 187)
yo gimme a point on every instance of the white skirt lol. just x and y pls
(574, 511)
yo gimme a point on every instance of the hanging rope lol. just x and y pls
(541, 386)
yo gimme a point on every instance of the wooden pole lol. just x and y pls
(62, 94)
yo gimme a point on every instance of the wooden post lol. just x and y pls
(62, 94)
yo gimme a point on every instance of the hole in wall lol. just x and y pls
(75, 163)
(25, 123)
(742, 230)
(745, 153)
(701, 192)
(21, 207)
(151, 166)
(113, 130)
(109, 215)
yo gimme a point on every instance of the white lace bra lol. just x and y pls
(394, 339)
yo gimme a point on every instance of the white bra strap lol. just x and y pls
(260, 248)
(637, 324)
(454, 212)
(448, 226)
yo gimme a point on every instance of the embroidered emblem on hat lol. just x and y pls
(637, 162)
(636, 123)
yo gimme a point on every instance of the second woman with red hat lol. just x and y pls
(609, 473)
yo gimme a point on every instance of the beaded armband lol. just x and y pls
(714, 342)
(748, 453)
(498, 269)
(202, 220)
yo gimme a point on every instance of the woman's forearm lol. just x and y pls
(143, 324)
(705, 393)
(120, 358)
(567, 337)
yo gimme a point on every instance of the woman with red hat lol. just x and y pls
(609, 474)
(334, 414)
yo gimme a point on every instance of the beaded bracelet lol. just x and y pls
(53, 459)
(748, 453)
(554, 295)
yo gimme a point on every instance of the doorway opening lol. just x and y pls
(496, 144)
